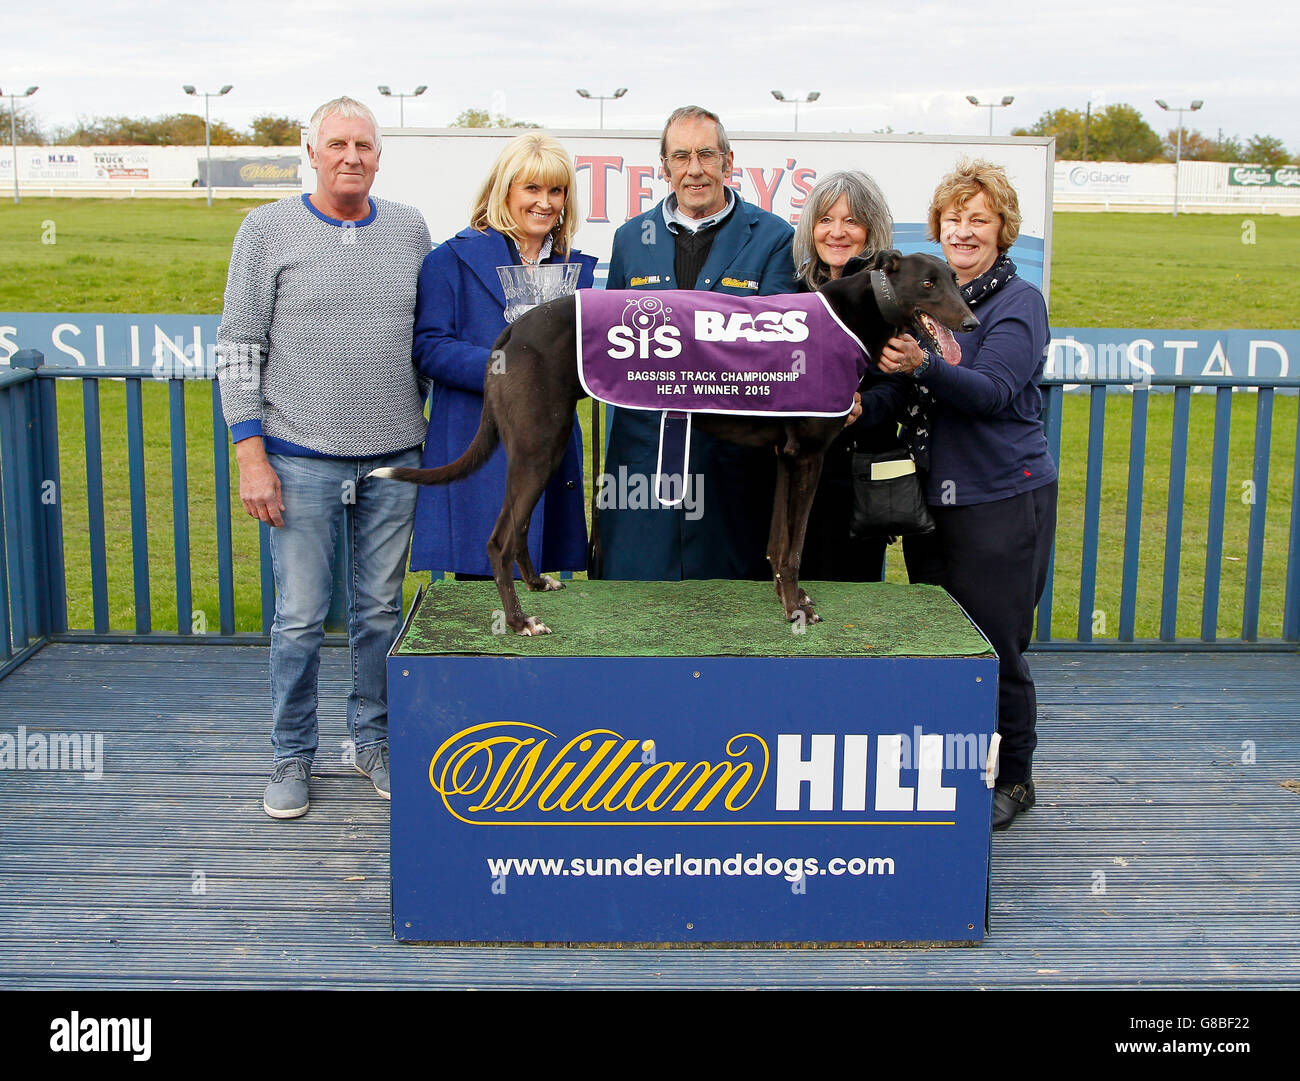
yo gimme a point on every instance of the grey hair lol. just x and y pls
(866, 203)
(345, 107)
(693, 112)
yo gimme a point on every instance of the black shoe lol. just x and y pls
(1010, 800)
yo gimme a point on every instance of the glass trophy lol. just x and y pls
(528, 286)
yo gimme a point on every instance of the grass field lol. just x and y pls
(1191, 272)
(116, 255)
(1121, 270)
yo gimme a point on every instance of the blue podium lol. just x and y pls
(769, 786)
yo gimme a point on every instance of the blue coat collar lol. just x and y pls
(733, 235)
(483, 253)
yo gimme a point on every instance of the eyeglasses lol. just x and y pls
(680, 159)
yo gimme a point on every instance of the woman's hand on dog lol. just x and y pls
(259, 484)
(856, 411)
(901, 355)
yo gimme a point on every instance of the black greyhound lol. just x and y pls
(529, 402)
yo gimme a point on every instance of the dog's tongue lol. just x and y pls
(948, 344)
(943, 338)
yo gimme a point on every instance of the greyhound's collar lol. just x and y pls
(885, 298)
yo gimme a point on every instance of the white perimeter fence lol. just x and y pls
(239, 170)
(1202, 185)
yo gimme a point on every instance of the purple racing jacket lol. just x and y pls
(700, 352)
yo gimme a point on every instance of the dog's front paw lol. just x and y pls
(546, 584)
(804, 615)
(533, 626)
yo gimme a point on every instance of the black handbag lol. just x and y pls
(887, 497)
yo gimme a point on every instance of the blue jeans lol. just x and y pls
(322, 496)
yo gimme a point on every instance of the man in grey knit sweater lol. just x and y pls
(318, 389)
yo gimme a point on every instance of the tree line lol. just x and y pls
(173, 129)
(1119, 133)
(1115, 133)
(186, 129)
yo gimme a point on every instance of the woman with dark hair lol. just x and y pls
(991, 483)
(525, 213)
(846, 217)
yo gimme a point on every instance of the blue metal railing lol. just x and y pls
(35, 585)
(29, 596)
(1182, 387)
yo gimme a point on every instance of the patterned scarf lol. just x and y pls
(977, 290)
(917, 425)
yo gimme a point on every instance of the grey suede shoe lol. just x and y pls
(373, 762)
(286, 795)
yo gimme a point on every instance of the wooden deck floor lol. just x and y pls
(1159, 855)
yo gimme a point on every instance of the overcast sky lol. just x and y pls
(904, 65)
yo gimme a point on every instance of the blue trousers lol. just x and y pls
(323, 496)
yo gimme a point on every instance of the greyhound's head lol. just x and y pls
(917, 293)
(927, 299)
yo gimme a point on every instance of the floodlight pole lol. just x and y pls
(401, 101)
(1178, 154)
(811, 96)
(207, 140)
(602, 98)
(991, 105)
(207, 124)
(13, 140)
(13, 129)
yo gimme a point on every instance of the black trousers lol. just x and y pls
(992, 558)
(829, 553)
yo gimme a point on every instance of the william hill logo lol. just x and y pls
(267, 171)
(515, 773)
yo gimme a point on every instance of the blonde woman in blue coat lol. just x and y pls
(525, 213)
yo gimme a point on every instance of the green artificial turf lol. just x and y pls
(695, 619)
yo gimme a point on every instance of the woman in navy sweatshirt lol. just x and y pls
(991, 482)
